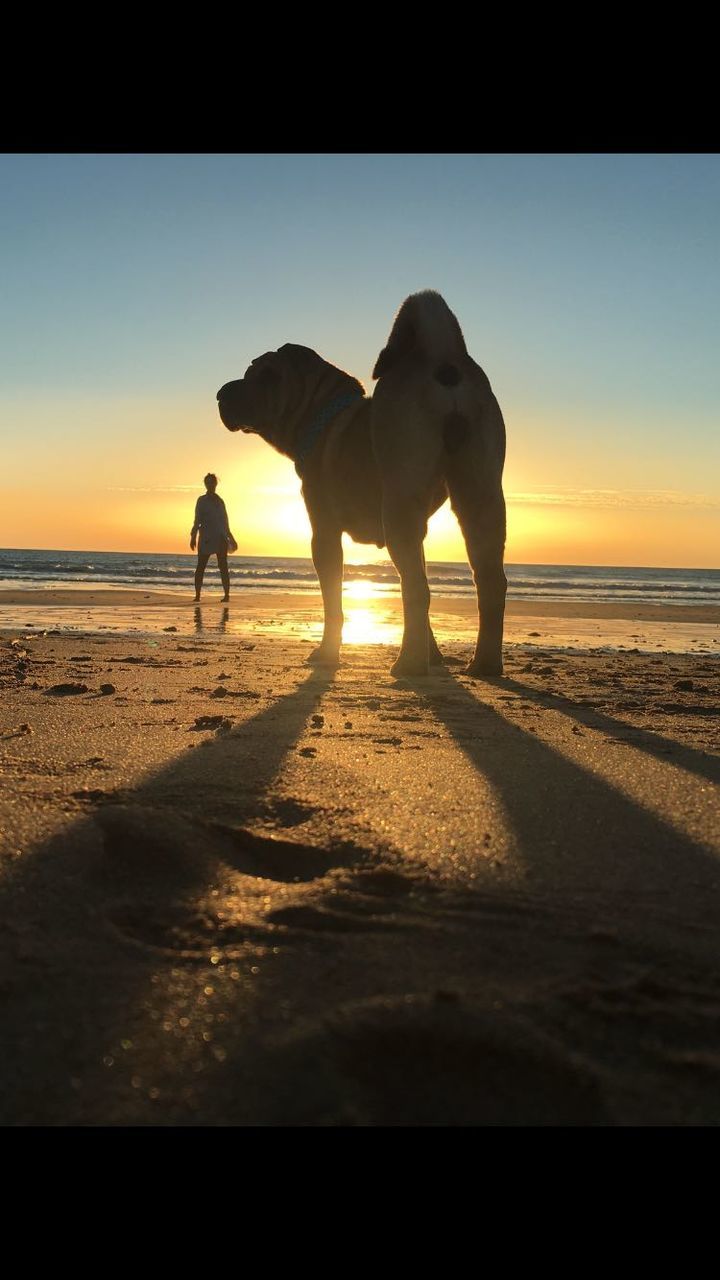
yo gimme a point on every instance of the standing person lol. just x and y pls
(211, 520)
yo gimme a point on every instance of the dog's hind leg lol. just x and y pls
(327, 554)
(435, 657)
(405, 525)
(481, 513)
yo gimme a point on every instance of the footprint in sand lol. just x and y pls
(171, 850)
(155, 863)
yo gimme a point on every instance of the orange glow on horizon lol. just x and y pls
(111, 487)
(278, 526)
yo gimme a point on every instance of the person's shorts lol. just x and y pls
(213, 547)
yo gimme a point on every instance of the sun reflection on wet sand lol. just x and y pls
(373, 615)
(370, 626)
(368, 617)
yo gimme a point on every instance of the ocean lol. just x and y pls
(541, 582)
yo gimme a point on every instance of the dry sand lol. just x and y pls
(236, 890)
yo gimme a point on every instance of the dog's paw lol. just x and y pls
(321, 657)
(405, 667)
(483, 670)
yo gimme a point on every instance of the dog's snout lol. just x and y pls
(229, 406)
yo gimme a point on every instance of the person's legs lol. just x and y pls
(200, 573)
(224, 573)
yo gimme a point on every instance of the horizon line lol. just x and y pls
(540, 564)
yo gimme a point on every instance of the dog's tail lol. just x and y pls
(425, 330)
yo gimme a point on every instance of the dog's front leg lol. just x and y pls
(327, 554)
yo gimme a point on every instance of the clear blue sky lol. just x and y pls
(586, 285)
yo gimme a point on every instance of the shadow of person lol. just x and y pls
(198, 619)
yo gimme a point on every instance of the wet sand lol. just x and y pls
(239, 891)
(587, 624)
(253, 602)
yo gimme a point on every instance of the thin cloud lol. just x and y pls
(152, 488)
(550, 496)
(612, 499)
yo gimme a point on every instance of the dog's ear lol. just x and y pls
(401, 343)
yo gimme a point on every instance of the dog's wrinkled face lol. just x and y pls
(274, 385)
(277, 390)
(248, 403)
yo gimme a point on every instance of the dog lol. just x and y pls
(378, 467)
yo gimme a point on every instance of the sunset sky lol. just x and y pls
(133, 286)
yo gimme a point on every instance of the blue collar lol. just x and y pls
(309, 435)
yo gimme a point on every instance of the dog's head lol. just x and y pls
(278, 389)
